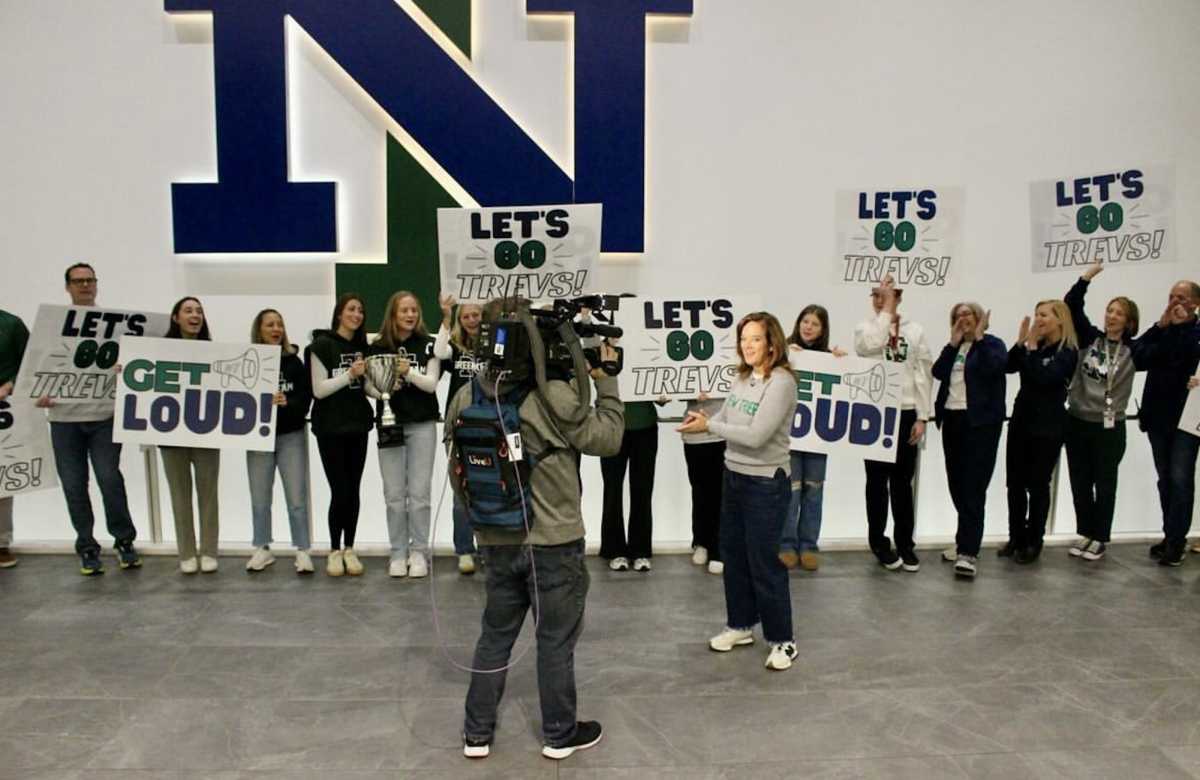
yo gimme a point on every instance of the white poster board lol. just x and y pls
(535, 252)
(1189, 421)
(846, 405)
(197, 394)
(26, 458)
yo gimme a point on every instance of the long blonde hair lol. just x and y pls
(389, 334)
(1063, 312)
(458, 334)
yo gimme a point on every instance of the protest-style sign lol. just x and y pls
(535, 252)
(679, 348)
(846, 405)
(915, 235)
(72, 351)
(1189, 421)
(26, 458)
(1117, 216)
(191, 393)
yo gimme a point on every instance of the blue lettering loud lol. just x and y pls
(862, 425)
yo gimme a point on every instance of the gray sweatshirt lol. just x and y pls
(756, 423)
(1097, 361)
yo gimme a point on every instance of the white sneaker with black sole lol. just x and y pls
(641, 564)
(587, 734)
(781, 656)
(620, 563)
(730, 638)
(1078, 546)
(966, 566)
(476, 748)
(1094, 550)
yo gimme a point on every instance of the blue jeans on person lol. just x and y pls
(802, 527)
(464, 537)
(560, 578)
(753, 511)
(1175, 454)
(407, 473)
(290, 456)
(74, 444)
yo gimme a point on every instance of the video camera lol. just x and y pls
(511, 342)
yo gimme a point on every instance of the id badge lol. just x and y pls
(1110, 418)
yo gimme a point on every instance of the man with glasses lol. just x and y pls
(1169, 352)
(81, 432)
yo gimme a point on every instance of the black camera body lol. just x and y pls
(508, 346)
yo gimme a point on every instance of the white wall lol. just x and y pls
(758, 111)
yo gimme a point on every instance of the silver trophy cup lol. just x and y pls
(382, 371)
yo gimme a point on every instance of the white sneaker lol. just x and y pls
(641, 564)
(189, 566)
(965, 566)
(466, 563)
(700, 556)
(716, 567)
(261, 559)
(950, 554)
(1078, 546)
(336, 565)
(730, 638)
(620, 563)
(208, 564)
(398, 568)
(350, 559)
(304, 562)
(781, 655)
(417, 567)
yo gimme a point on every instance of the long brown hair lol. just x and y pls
(256, 331)
(389, 334)
(776, 344)
(822, 343)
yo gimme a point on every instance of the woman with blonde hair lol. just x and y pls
(1044, 356)
(756, 423)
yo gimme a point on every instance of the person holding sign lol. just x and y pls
(970, 410)
(1169, 352)
(457, 354)
(341, 419)
(756, 423)
(1045, 357)
(1097, 401)
(890, 335)
(83, 432)
(188, 322)
(798, 542)
(406, 461)
(13, 338)
(290, 455)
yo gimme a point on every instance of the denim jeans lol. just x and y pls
(74, 443)
(464, 537)
(802, 527)
(1175, 461)
(407, 473)
(753, 510)
(559, 577)
(291, 458)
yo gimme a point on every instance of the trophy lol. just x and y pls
(382, 371)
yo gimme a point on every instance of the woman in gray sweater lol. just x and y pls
(756, 423)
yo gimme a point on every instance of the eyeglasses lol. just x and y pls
(82, 282)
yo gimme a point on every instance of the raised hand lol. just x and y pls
(1090, 273)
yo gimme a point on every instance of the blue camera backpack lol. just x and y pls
(490, 464)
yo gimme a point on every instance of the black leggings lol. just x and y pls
(343, 457)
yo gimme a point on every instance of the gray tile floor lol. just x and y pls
(1062, 669)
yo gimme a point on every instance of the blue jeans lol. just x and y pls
(407, 473)
(560, 578)
(1175, 461)
(464, 537)
(291, 458)
(753, 511)
(74, 443)
(802, 527)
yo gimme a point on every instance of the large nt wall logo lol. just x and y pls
(254, 208)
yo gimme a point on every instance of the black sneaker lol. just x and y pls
(1156, 550)
(909, 561)
(1008, 550)
(476, 748)
(127, 556)
(887, 559)
(587, 733)
(89, 563)
(1173, 552)
(1028, 554)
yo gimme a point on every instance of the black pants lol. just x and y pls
(1094, 454)
(893, 480)
(705, 466)
(970, 453)
(639, 451)
(1029, 461)
(343, 458)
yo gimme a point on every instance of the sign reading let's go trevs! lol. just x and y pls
(535, 252)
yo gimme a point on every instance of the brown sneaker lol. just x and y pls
(809, 561)
(7, 559)
(789, 559)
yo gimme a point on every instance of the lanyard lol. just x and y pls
(1110, 365)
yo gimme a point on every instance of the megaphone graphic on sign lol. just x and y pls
(873, 382)
(243, 368)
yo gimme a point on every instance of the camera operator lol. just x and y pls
(543, 568)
